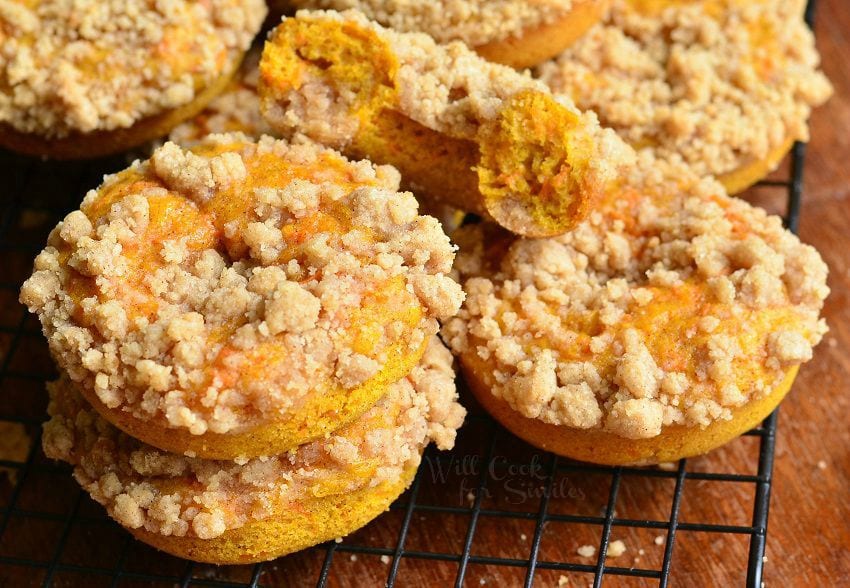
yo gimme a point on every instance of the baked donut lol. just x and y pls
(474, 135)
(240, 299)
(725, 84)
(81, 80)
(512, 32)
(669, 322)
(254, 510)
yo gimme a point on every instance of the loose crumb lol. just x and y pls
(586, 551)
(616, 548)
(385, 559)
(563, 581)
(659, 540)
(822, 464)
(352, 557)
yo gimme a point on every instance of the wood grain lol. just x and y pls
(809, 528)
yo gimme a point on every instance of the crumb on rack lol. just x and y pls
(616, 548)
(586, 551)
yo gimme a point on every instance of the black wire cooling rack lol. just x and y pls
(538, 507)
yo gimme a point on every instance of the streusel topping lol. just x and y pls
(236, 110)
(143, 487)
(672, 304)
(85, 65)
(719, 82)
(475, 22)
(217, 288)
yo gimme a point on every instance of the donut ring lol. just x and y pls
(474, 135)
(511, 32)
(122, 74)
(241, 299)
(669, 322)
(727, 85)
(227, 513)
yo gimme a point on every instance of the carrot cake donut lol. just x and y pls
(241, 298)
(669, 322)
(728, 85)
(255, 510)
(478, 136)
(513, 32)
(83, 79)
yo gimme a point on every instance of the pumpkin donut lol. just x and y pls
(517, 33)
(255, 510)
(240, 299)
(668, 323)
(474, 135)
(728, 85)
(81, 80)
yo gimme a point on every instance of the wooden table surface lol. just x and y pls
(809, 529)
(809, 537)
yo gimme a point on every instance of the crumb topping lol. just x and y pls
(236, 110)
(721, 83)
(475, 22)
(221, 287)
(88, 65)
(672, 304)
(143, 487)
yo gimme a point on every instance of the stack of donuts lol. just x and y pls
(246, 322)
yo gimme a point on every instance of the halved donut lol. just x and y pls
(475, 135)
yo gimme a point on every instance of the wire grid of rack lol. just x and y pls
(51, 533)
